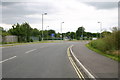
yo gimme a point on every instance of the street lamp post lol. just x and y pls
(42, 24)
(100, 29)
(61, 29)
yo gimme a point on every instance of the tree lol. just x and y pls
(35, 32)
(3, 32)
(28, 31)
(58, 35)
(72, 35)
(23, 32)
(105, 33)
(80, 32)
(67, 35)
(51, 32)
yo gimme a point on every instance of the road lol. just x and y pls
(45, 60)
(98, 65)
(50, 60)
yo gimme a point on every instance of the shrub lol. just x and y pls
(110, 43)
(31, 40)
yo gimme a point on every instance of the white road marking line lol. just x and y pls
(82, 66)
(30, 51)
(80, 75)
(8, 59)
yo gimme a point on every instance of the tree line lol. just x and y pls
(24, 31)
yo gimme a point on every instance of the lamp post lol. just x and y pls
(42, 24)
(100, 29)
(61, 29)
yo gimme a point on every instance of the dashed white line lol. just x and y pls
(8, 59)
(30, 51)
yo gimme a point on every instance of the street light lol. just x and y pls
(61, 29)
(100, 29)
(42, 24)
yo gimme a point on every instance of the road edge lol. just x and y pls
(80, 64)
(78, 72)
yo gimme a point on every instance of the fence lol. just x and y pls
(10, 38)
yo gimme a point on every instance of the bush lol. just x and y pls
(98, 44)
(40, 38)
(31, 40)
(110, 43)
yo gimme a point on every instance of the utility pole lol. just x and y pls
(42, 25)
(61, 29)
(100, 29)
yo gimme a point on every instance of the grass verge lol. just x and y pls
(114, 57)
(13, 44)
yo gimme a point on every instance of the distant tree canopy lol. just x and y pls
(105, 33)
(80, 32)
(35, 32)
(3, 32)
(70, 35)
(24, 32)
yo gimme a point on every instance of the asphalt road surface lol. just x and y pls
(50, 60)
(98, 65)
(44, 60)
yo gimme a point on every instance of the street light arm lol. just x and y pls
(100, 28)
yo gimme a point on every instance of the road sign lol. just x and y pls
(52, 35)
(81, 35)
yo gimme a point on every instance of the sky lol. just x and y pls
(74, 14)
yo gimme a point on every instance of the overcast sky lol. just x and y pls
(74, 14)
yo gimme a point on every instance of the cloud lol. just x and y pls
(0, 13)
(17, 11)
(103, 5)
(72, 12)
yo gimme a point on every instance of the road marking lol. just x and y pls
(81, 77)
(8, 59)
(81, 65)
(30, 51)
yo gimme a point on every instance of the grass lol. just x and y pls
(114, 57)
(13, 44)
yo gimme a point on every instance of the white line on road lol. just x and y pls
(8, 59)
(30, 51)
(81, 65)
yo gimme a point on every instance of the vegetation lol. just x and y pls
(3, 32)
(24, 32)
(109, 44)
(114, 57)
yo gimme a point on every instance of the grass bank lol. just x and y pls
(108, 45)
(110, 55)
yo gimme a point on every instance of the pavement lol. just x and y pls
(98, 65)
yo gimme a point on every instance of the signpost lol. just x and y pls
(52, 35)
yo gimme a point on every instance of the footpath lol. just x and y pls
(98, 65)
